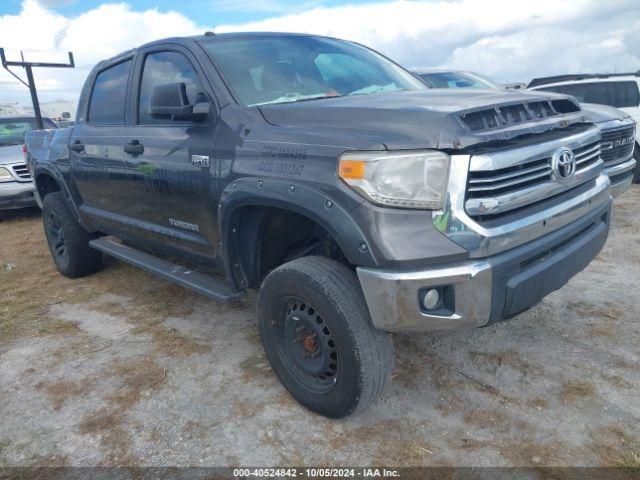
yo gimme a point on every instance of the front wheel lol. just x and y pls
(318, 336)
(636, 170)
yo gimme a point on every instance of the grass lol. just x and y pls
(28, 290)
(575, 390)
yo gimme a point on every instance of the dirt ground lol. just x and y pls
(124, 369)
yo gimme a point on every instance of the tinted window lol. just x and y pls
(614, 94)
(280, 69)
(625, 94)
(166, 67)
(107, 103)
(590, 92)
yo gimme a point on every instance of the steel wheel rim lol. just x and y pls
(307, 346)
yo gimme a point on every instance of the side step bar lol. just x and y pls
(209, 286)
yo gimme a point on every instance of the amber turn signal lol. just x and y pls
(352, 169)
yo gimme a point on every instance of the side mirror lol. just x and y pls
(170, 100)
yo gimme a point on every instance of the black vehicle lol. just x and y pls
(355, 199)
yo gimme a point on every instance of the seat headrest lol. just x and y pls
(278, 76)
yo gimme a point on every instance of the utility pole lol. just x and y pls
(30, 83)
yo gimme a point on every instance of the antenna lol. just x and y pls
(30, 83)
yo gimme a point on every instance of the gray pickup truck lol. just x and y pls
(357, 200)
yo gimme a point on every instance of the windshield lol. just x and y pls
(280, 69)
(458, 80)
(12, 130)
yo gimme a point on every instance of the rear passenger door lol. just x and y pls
(96, 149)
(173, 179)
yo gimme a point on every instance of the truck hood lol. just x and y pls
(422, 119)
(11, 154)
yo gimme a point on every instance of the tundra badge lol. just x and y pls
(184, 225)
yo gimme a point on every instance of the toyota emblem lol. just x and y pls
(563, 163)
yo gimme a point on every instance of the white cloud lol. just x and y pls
(508, 40)
(271, 6)
(501, 38)
(92, 36)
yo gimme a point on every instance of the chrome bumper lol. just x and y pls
(16, 195)
(621, 185)
(393, 297)
(475, 293)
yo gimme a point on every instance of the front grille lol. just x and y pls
(21, 171)
(617, 144)
(510, 180)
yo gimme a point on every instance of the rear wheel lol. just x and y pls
(317, 334)
(67, 240)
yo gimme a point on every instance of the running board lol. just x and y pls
(207, 285)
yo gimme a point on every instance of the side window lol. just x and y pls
(108, 98)
(165, 67)
(625, 94)
(597, 92)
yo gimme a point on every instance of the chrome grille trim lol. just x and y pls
(613, 131)
(503, 181)
(482, 240)
(510, 183)
(21, 171)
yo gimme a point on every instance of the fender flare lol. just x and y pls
(299, 198)
(46, 170)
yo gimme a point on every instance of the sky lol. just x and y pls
(508, 40)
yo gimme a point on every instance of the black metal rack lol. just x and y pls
(30, 83)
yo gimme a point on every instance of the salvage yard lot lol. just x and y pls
(122, 368)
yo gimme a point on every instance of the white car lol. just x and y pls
(16, 186)
(619, 90)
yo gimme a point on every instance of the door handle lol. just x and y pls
(77, 146)
(134, 147)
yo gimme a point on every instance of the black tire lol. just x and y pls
(636, 170)
(67, 240)
(312, 311)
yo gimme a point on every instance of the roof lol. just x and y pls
(584, 76)
(207, 36)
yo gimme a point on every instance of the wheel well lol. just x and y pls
(266, 237)
(46, 184)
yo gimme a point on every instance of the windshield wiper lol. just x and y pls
(295, 98)
(319, 97)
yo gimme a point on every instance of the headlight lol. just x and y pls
(5, 175)
(410, 179)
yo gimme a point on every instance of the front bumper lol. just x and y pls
(488, 290)
(621, 176)
(17, 195)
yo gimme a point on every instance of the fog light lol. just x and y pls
(431, 299)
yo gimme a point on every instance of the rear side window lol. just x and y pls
(625, 94)
(166, 67)
(108, 98)
(614, 94)
(590, 92)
